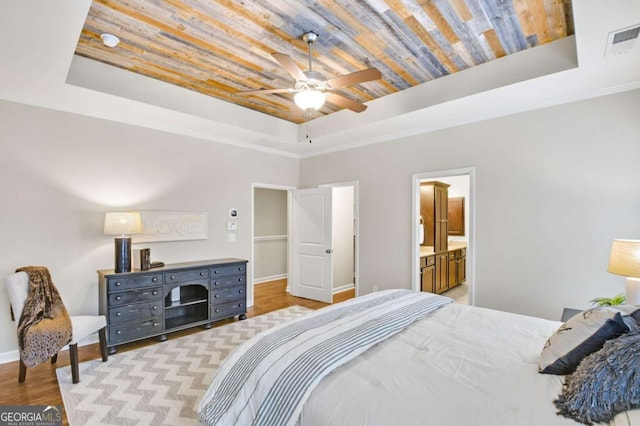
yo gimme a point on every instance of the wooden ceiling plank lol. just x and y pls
(538, 13)
(439, 20)
(402, 18)
(495, 44)
(367, 29)
(556, 18)
(194, 62)
(431, 44)
(462, 10)
(503, 16)
(525, 17)
(177, 32)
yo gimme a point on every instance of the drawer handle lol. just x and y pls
(154, 279)
(119, 332)
(202, 274)
(155, 324)
(240, 268)
(118, 297)
(118, 314)
(240, 279)
(217, 310)
(215, 283)
(216, 296)
(215, 272)
(173, 277)
(154, 307)
(154, 292)
(240, 305)
(118, 284)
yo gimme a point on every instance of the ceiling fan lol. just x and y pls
(312, 88)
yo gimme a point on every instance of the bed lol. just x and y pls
(450, 364)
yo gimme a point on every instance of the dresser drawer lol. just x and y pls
(137, 312)
(227, 310)
(178, 277)
(227, 294)
(134, 330)
(126, 283)
(219, 282)
(147, 294)
(228, 270)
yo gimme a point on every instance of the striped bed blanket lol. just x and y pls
(267, 380)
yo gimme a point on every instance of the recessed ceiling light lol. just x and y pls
(109, 40)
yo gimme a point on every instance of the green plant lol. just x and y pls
(609, 301)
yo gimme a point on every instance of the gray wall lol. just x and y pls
(553, 188)
(61, 172)
(270, 231)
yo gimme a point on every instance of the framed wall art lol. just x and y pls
(172, 226)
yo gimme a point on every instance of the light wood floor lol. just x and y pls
(41, 384)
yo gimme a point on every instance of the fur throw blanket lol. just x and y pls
(44, 326)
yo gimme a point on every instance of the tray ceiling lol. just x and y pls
(219, 47)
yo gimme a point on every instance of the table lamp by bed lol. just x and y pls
(625, 261)
(122, 224)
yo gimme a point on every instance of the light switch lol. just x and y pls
(232, 226)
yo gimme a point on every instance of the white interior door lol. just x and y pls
(311, 251)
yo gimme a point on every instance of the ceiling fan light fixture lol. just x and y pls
(309, 99)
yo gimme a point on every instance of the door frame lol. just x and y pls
(415, 220)
(254, 186)
(356, 228)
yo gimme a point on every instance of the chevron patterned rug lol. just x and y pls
(160, 384)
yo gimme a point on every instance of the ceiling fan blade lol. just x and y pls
(343, 102)
(355, 78)
(291, 67)
(250, 92)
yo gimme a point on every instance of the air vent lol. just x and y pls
(623, 40)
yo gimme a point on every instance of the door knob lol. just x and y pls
(329, 251)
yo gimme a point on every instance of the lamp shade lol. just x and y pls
(309, 99)
(122, 223)
(625, 258)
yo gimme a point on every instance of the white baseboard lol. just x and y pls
(15, 355)
(9, 357)
(271, 278)
(342, 288)
(336, 290)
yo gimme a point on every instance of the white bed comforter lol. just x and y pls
(267, 380)
(459, 366)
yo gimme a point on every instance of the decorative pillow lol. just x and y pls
(580, 336)
(606, 383)
(631, 316)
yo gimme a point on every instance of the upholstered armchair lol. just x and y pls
(17, 286)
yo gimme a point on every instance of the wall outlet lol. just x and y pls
(231, 237)
(374, 288)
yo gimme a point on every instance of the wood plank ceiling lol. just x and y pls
(219, 47)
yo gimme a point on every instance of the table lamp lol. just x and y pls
(122, 224)
(625, 261)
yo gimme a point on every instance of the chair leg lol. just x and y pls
(23, 372)
(54, 359)
(73, 355)
(102, 334)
